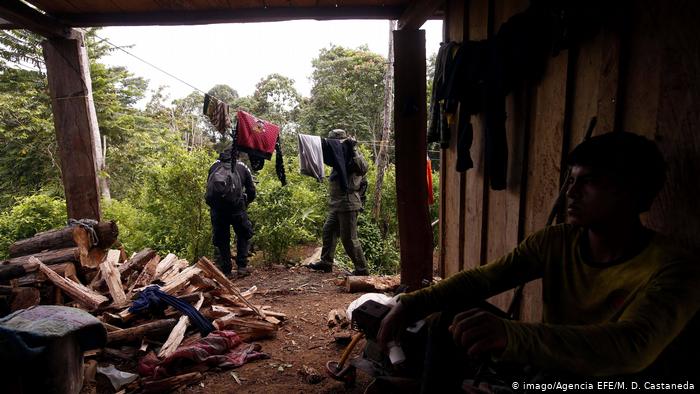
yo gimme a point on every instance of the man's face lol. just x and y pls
(595, 199)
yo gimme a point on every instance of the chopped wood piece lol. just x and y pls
(24, 297)
(134, 264)
(164, 265)
(81, 238)
(231, 320)
(178, 333)
(170, 384)
(9, 272)
(180, 280)
(62, 238)
(266, 312)
(66, 270)
(175, 269)
(78, 292)
(124, 354)
(214, 273)
(137, 261)
(337, 317)
(111, 328)
(367, 284)
(137, 333)
(147, 274)
(112, 277)
(48, 258)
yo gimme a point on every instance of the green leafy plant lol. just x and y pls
(30, 215)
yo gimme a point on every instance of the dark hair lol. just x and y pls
(632, 160)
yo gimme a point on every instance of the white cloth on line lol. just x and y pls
(311, 156)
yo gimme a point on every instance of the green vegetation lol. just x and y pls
(158, 156)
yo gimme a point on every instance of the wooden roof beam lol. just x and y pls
(415, 15)
(20, 15)
(242, 15)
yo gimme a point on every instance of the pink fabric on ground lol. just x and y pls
(222, 349)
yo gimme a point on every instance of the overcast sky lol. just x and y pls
(239, 55)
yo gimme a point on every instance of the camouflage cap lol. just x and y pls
(338, 134)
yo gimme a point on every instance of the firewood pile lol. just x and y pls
(76, 267)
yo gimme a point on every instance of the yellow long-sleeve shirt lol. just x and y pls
(598, 319)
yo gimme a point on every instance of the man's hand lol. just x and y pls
(392, 325)
(479, 332)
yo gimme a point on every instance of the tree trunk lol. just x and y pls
(383, 156)
(107, 233)
(101, 175)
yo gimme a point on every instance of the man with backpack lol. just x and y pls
(345, 203)
(230, 189)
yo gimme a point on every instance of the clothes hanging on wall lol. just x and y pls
(311, 156)
(478, 75)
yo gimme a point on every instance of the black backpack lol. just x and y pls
(224, 186)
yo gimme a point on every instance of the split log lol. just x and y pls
(137, 261)
(371, 284)
(178, 333)
(170, 384)
(174, 270)
(48, 258)
(25, 297)
(180, 280)
(164, 265)
(78, 292)
(147, 274)
(66, 270)
(136, 333)
(107, 233)
(9, 272)
(135, 264)
(231, 320)
(214, 273)
(112, 277)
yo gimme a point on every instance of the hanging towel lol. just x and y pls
(256, 135)
(311, 156)
(217, 112)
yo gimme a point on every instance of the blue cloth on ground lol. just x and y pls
(153, 299)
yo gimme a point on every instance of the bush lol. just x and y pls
(168, 212)
(284, 216)
(30, 215)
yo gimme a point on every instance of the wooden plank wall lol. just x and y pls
(638, 72)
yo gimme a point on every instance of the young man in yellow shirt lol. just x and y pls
(616, 295)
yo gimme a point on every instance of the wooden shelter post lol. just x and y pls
(75, 122)
(415, 233)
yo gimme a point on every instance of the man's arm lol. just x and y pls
(464, 289)
(655, 316)
(248, 184)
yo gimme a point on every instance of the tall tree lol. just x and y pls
(382, 157)
(276, 99)
(347, 92)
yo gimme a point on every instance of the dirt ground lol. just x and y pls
(303, 339)
(305, 297)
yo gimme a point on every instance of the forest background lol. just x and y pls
(157, 155)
